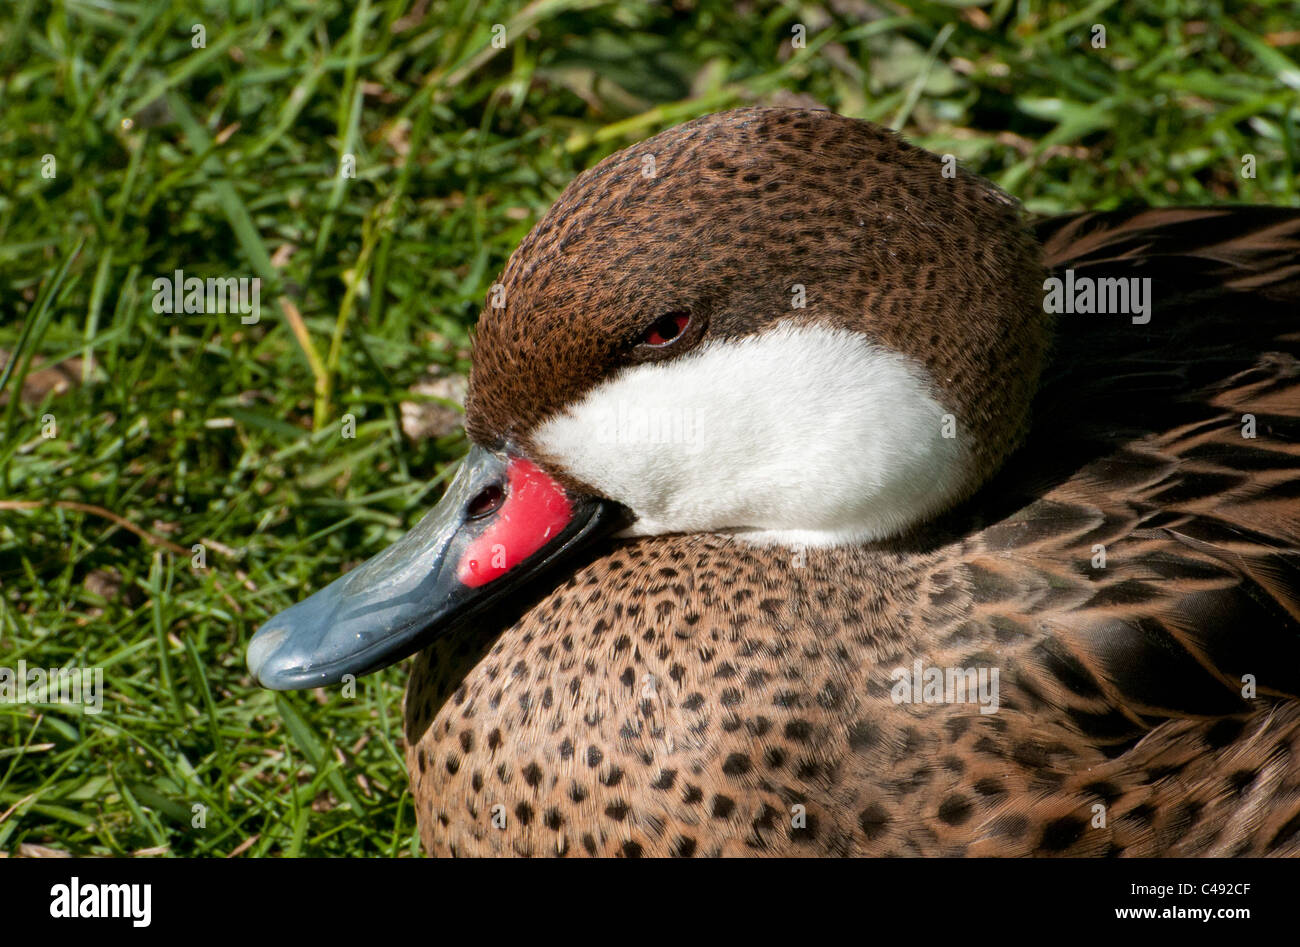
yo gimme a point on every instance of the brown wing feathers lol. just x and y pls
(1201, 584)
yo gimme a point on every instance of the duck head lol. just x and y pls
(776, 323)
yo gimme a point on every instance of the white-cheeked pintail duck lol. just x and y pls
(800, 519)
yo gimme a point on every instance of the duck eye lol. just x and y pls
(487, 501)
(666, 329)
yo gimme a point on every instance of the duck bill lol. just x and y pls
(502, 521)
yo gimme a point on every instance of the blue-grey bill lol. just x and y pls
(394, 604)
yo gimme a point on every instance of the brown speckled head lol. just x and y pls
(724, 218)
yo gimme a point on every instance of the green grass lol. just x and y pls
(223, 161)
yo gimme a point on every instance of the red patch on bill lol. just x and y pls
(533, 513)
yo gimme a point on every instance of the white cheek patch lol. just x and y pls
(800, 435)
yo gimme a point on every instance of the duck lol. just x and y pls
(820, 502)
